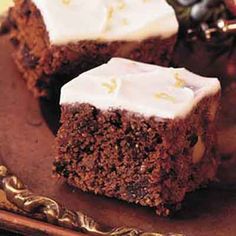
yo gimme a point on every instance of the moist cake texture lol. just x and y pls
(57, 40)
(137, 132)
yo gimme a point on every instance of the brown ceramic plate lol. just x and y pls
(26, 143)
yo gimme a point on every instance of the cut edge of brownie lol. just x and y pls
(145, 160)
(47, 67)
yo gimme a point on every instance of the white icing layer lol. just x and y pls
(107, 20)
(146, 89)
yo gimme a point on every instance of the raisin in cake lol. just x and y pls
(57, 40)
(138, 132)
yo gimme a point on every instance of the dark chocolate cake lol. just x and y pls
(57, 40)
(141, 133)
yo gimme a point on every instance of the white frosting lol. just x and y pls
(73, 20)
(142, 88)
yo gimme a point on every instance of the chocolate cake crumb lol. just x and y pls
(144, 160)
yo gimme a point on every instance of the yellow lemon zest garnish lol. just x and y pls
(110, 12)
(121, 5)
(164, 96)
(110, 86)
(124, 21)
(179, 82)
(66, 2)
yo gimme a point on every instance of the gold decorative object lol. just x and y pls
(52, 212)
(208, 32)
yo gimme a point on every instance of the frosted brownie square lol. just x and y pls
(138, 132)
(57, 40)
